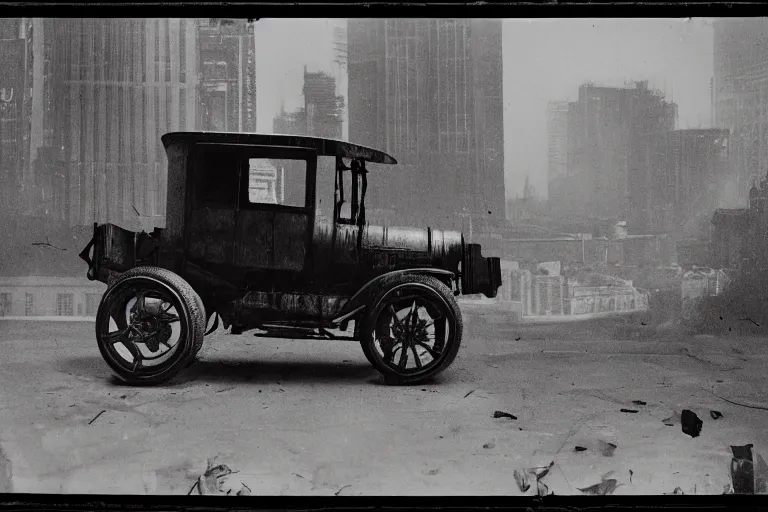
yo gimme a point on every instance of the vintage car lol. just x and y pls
(246, 240)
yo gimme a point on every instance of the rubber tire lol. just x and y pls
(195, 319)
(391, 377)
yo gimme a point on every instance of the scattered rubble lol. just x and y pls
(604, 488)
(742, 470)
(527, 477)
(716, 415)
(215, 479)
(691, 424)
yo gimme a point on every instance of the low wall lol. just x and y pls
(49, 297)
(554, 296)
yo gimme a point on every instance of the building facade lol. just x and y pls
(699, 180)
(616, 140)
(105, 90)
(740, 94)
(557, 140)
(16, 62)
(430, 93)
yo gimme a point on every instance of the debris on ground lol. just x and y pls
(604, 488)
(716, 415)
(629, 410)
(607, 449)
(502, 414)
(214, 481)
(670, 422)
(97, 417)
(339, 491)
(761, 475)
(727, 489)
(691, 424)
(639, 402)
(579, 449)
(526, 478)
(677, 490)
(630, 476)
(742, 470)
(488, 446)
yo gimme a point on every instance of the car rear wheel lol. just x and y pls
(413, 330)
(149, 326)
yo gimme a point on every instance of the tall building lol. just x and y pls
(321, 116)
(430, 93)
(228, 75)
(740, 94)
(557, 139)
(698, 179)
(16, 65)
(616, 139)
(105, 90)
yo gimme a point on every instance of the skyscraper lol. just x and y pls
(557, 139)
(105, 90)
(430, 93)
(740, 94)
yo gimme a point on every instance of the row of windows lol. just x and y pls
(63, 305)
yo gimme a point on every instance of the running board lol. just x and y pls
(298, 333)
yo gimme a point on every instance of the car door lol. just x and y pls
(210, 226)
(274, 216)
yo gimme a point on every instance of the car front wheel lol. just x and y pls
(413, 329)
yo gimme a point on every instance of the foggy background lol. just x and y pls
(544, 59)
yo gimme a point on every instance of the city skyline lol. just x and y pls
(673, 55)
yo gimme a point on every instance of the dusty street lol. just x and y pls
(312, 417)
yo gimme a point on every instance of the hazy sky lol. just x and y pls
(544, 59)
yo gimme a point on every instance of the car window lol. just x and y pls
(277, 181)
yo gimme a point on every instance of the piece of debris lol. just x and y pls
(502, 414)
(527, 477)
(629, 410)
(670, 422)
(579, 449)
(226, 389)
(727, 489)
(639, 402)
(716, 415)
(489, 446)
(244, 490)
(691, 424)
(339, 491)
(213, 479)
(630, 476)
(465, 396)
(761, 475)
(97, 417)
(677, 490)
(607, 449)
(602, 489)
(742, 470)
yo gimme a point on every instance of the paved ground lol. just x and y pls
(312, 418)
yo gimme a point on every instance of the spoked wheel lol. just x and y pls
(150, 324)
(413, 330)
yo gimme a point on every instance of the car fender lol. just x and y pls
(357, 303)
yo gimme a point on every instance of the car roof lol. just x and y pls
(324, 147)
